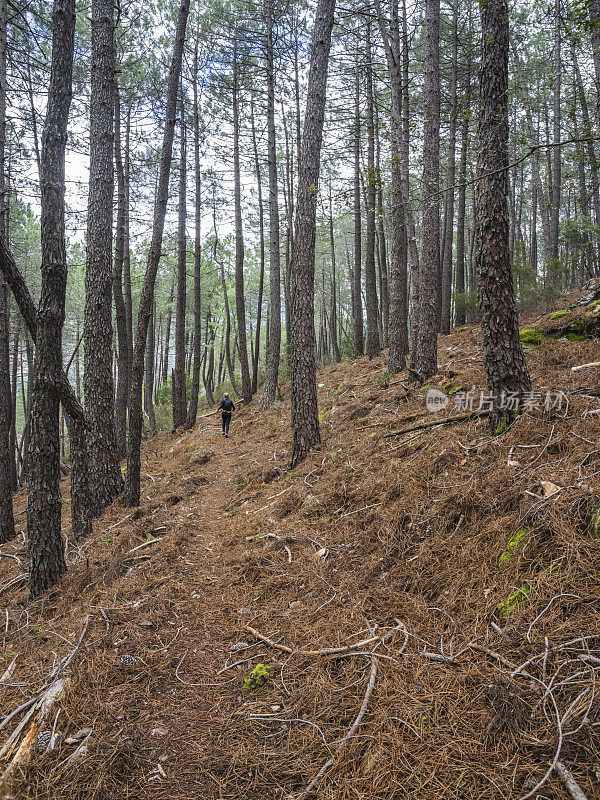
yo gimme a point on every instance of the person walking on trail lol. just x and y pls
(227, 408)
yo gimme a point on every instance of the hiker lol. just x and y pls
(226, 407)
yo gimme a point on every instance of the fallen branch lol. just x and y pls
(326, 651)
(571, 785)
(504, 661)
(586, 366)
(349, 733)
(434, 423)
(27, 747)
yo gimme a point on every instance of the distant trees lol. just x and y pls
(145, 309)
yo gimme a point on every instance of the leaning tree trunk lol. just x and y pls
(503, 353)
(305, 420)
(46, 549)
(193, 406)
(132, 488)
(274, 322)
(105, 472)
(424, 357)
(178, 387)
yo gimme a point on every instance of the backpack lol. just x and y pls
(227, 405)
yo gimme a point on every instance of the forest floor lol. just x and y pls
(459, 554)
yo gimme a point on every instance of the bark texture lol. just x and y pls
(503, 353)
(274, 322)
(98, 385)
(305, 420)
(424, 356)
(46, 550)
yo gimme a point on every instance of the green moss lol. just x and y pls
(258, 677)
(559, 314)
(575, 337)
(514, 601)
(531, 336)
(464, 328)
(500, 428)
(512, 546)
(202, 456)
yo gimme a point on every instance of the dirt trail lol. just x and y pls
(448, 529)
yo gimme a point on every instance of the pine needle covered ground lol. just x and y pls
(458, 556)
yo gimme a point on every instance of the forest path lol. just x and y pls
(193, 712)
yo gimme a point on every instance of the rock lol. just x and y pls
(158, 732)
(295, 604)
(145, 623)
(322, 553)
(77, 737)
(238, 646)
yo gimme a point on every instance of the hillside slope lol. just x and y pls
(460, 555)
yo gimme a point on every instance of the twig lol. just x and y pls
(435, 422)
(349, 733)
(573, 788)
(326, 651)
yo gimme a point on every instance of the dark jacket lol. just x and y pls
(226, 405)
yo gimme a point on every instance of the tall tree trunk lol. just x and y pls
(402, 223)
(240, 301)
(46, 549)
(382, 247)
(273, 354)
(120, 313)
(7, 524)
(193, 406)
(149, 380)
(261, 245)
(305, 420)
(98, 384)
(132, 489)
(503, 353)
(334, 316)
(373, 341)
(462, 197)
(557, 155)
(169, 320)
(179, 387)
(450, 181)
(357, 313)
(424, 357)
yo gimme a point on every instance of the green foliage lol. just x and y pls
(382, 380)
(513, 544)
(258, 677)
(559, 314)
(514, 601)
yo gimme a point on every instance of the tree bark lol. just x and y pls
(503, 353)
(261, 245)
(273, 354)
(373, 341)
(357, 312)
(7, 524)
(448, 240)
(240, 301)
(193, 406)
(462, 198)
(179, 387)
(123, 364)
(46, 550)
(305, 421)
(132, 489)
(424, 357)
(97, 326)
